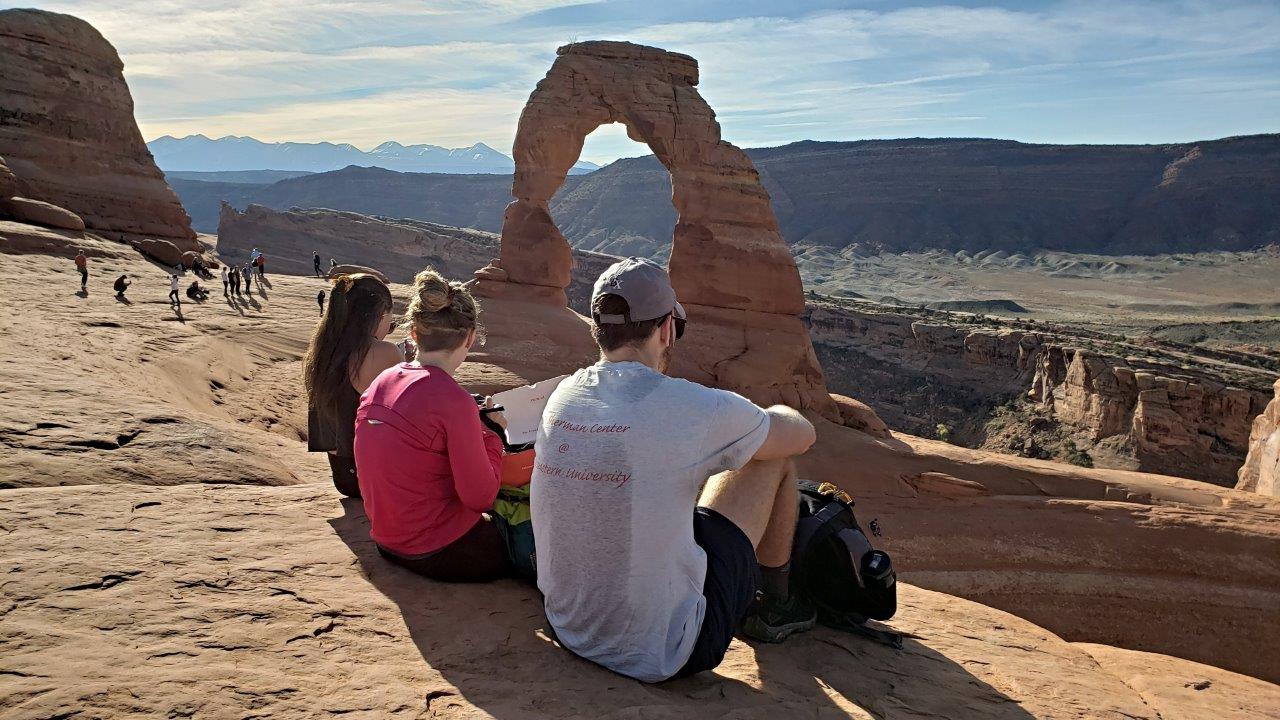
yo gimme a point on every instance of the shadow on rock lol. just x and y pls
(493, 644)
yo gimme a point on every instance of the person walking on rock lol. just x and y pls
(320, 301)
(248, 278)
(122, 283)
(315, 261)
(260, 264)
(659, 505)
(233, 274)
(226, 282)
(174, 298)
(82, 264)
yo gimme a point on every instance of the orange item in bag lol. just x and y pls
(517, 468)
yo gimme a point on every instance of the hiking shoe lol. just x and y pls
(773, 621)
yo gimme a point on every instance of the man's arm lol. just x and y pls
(790, 434)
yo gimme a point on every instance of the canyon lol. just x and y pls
(173, 550)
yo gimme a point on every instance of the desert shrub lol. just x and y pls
(942, 432)
(1076, 456)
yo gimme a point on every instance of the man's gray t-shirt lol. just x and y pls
(622, 454)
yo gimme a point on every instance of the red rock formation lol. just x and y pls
(729, 264)
(68, 132)
(1176, 420)
(1261, 470)
(36, 212)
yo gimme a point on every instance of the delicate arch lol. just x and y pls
(727, 250)
(729, 263)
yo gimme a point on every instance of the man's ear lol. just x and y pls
(668, 330)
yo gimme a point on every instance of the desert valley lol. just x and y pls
(1050, 373)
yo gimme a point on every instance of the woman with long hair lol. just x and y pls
(346, 353)
(429, 469)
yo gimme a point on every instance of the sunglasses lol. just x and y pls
(679, 325)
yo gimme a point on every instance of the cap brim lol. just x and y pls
(680, 312)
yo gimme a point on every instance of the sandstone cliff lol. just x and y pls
(1261, 470)
(68, 134)
(1157, 410)
(397, 247)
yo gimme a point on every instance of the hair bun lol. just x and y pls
(434, 292)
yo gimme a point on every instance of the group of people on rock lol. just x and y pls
(659, 506)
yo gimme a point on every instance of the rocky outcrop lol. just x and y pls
(748, 337)
(923, 368)
(36, 212)
(8, 182)
(68, 133)
(1261, 470)
(396, 247)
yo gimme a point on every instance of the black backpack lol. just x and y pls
(834, 565)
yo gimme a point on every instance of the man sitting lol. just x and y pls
(659, 504)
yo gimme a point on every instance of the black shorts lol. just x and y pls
(730, 587)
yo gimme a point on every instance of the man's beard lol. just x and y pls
(664, 362)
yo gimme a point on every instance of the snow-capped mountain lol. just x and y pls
(200, 153)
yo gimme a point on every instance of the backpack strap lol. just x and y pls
(808, 528)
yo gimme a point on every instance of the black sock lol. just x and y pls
(776, 581)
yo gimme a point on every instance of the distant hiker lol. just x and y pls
(261, 265)
(332, 264)
(315, 260)
(320, 301)
(173, 291)
(121, 284)
(247, 270)
(233, 274)
(82, 264)
(197, 293)
(657, 501)
(429, 470)
(226, 282)
(346, 353)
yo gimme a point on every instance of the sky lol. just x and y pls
(456, 72)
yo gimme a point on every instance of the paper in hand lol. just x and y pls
(523, 409)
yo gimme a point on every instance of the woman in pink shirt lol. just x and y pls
(429, 470)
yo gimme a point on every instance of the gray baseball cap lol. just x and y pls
(643, 284)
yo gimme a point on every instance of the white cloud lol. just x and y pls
(458, 71)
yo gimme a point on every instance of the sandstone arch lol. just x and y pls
(729, 263)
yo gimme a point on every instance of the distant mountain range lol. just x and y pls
(197, 153)
(867, 196)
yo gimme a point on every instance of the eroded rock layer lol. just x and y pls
(1261, 470)
(729, 263)
(1153, 410)
(68, 133)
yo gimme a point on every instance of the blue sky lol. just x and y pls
(454, 72)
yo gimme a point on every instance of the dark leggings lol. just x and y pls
(344, 475)
(478, 556)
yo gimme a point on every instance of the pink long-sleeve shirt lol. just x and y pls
(427, 467)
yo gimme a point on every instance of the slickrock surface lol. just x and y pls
(1185, 690)
(750, 340)
(198, 607)
(397, 247)
(93, 390)
(1261, 470)
(272, 602)
(69, 134)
